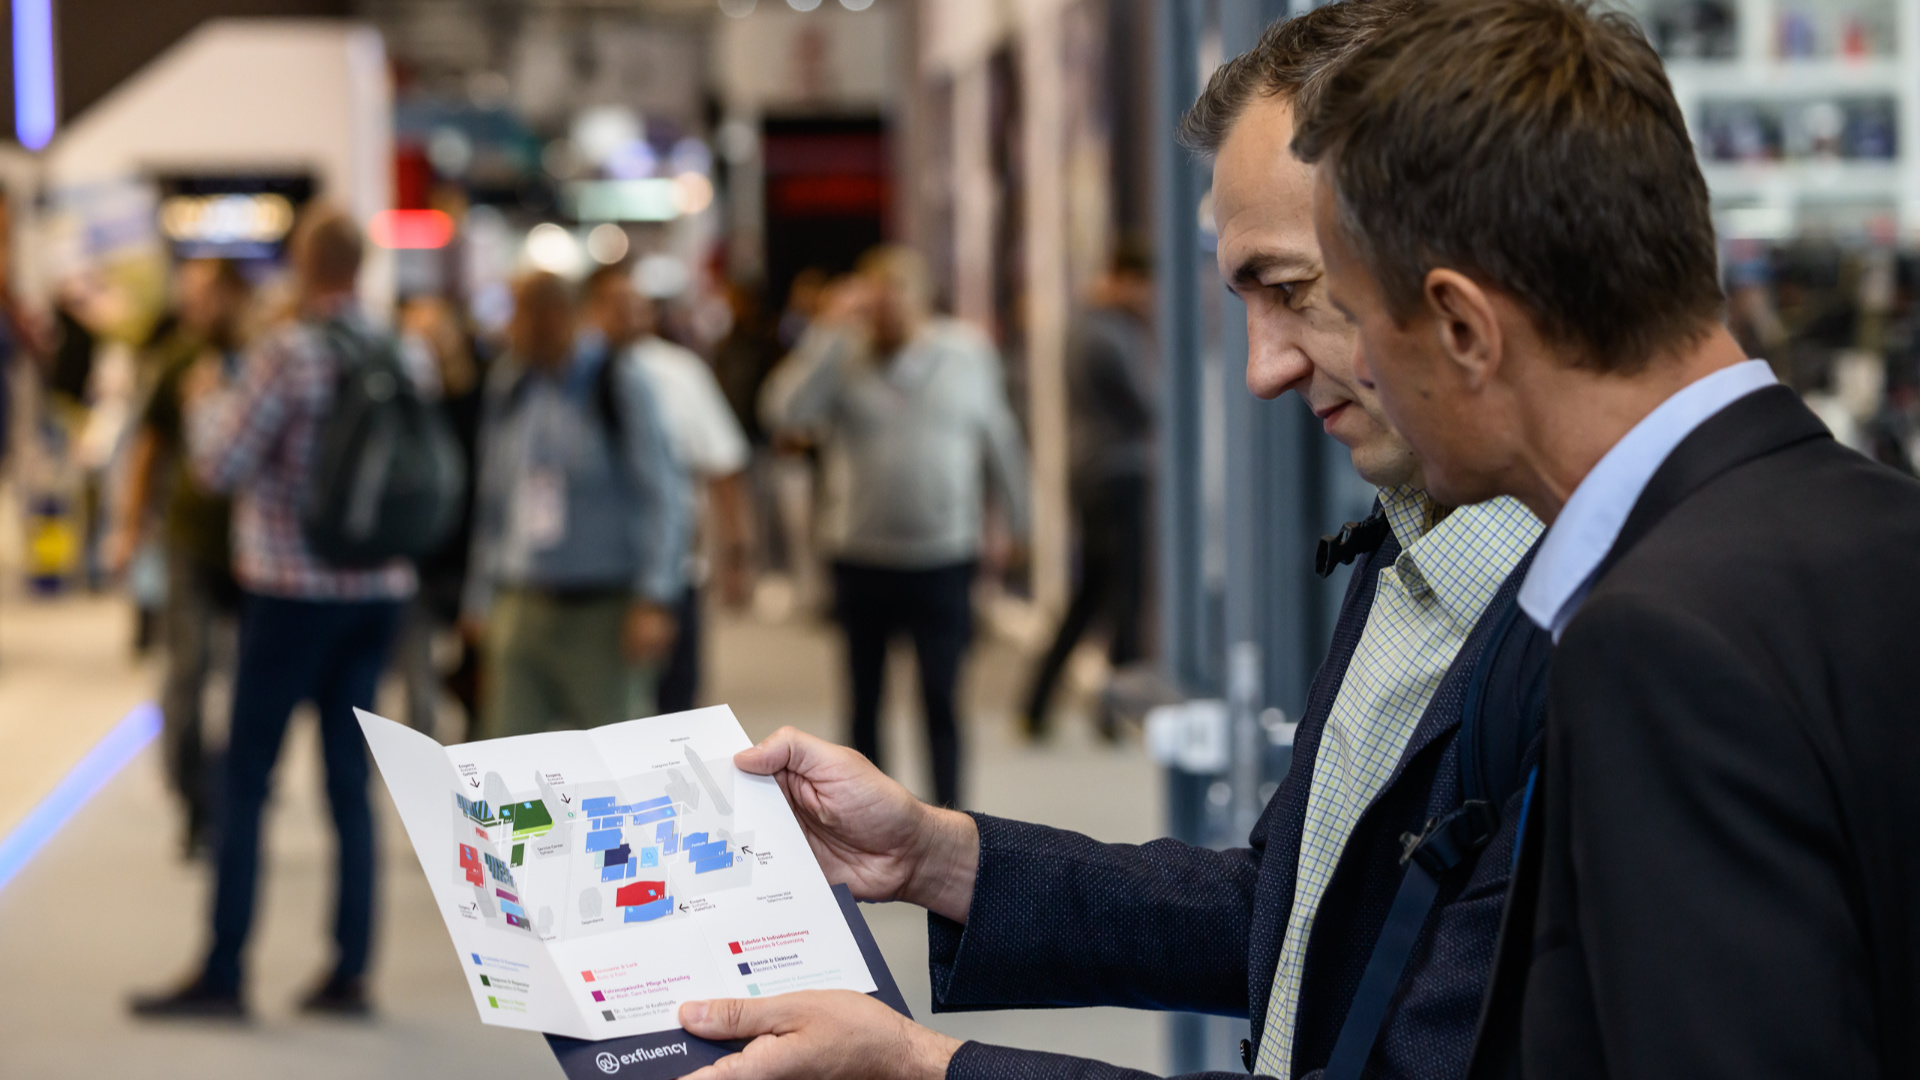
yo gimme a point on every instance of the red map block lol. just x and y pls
(640, 892)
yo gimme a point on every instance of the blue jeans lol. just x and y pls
(330, 653)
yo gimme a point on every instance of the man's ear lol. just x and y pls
(1467, 325)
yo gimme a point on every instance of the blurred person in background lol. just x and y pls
(580, 525)
(309, 631)
(711, 452)
(194, 522)
(434, 325)
(911, 407)
(1110, 396)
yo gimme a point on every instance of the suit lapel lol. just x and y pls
(1278, 832)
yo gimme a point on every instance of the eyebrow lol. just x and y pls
(1253, 268)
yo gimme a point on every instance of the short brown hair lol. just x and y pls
(327, 245)
(1536, 147)
(1291, 60)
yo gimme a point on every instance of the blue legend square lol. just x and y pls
(476, 957)
(746, 969)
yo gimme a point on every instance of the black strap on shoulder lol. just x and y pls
(1489, 737)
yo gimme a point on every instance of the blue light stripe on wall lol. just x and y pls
(33, 102)
(109, 755)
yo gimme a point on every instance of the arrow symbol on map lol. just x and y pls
(475, 783)
(565, 798)
(683, 907)
(745, 849)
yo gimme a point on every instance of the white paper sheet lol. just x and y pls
(594, 880)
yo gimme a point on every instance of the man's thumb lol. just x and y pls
(723, 1018)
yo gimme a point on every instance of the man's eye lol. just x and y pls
(1287, 290)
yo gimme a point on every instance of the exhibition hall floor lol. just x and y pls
(108, 906)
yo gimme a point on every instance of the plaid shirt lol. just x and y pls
(1424, 607)
(256, 439)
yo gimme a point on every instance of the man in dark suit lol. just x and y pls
(1722, 879)
(1283, 931)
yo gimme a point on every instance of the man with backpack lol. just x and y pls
(580, 527)
(310, 629)
(1355, 929)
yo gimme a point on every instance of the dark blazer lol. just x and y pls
(1725, 880)
(1060, 920)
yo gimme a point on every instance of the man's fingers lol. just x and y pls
(788, 749)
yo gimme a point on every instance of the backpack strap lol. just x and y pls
(1492, 744)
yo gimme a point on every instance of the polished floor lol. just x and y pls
(108, 906)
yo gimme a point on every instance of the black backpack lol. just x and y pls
(388, 473)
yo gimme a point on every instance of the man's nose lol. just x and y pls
(1275, 361)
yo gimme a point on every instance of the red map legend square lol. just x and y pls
(734, 945)
(587, 975)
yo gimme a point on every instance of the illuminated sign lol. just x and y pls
(652, 199)
(233, 218)
(410, 229)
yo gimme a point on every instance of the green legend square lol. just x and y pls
(753, 989)
(484, 981)
(493, 1003)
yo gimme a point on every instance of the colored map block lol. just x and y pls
(602, 841)
(613, 873)
(718, 862)
(519, 854)
(703, 852)
(640, 892)
(649, 856)
(652, 816)
(693, 838)
(617, 856)
(505, 895)
(597, 807)
(528, 817)
(513, 909)
(669, 845)
(650, 912)
(649, 804)
(475, 877)
(469, 856)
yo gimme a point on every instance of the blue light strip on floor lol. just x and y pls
(121, 745)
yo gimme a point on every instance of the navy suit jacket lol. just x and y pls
(1058, 919)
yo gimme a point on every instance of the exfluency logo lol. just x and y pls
(610, 1064)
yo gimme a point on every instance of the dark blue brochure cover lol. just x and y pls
(665, 1055)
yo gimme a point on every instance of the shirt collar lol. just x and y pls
(1591, 521)
(1462, 558)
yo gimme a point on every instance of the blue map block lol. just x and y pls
(698, 852)
(649, 912)
(633, 867)
(617, 856)
(513, 909)
(649, 804)
(614, 873)
(597, 807)
(601, 841)
(649, 856)
(665, 830)
(718, 862)
(670, 845)
(693, 838)
(650, 816)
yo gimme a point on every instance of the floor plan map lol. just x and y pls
(593, 880)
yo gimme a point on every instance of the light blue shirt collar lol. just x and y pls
(1588, 525)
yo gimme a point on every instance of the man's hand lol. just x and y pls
(819, 1035)
(647, 635)
(867, 831)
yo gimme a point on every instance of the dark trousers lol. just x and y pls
(680, 680)
(331, 653)
(199, 597)
(933, 606)
(1112, 519)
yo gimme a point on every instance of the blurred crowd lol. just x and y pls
(526, 528)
